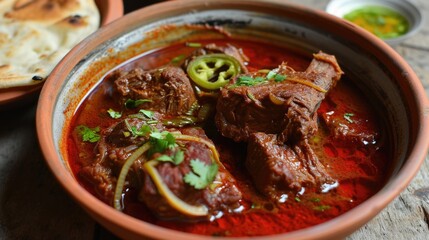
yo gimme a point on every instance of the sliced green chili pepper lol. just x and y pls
(212, 71)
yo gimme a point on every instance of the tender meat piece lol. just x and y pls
(287, 108)
(114, 149)
(229, 49)
(277, 168)
(101, 177)
(222, 196)
(276, 119)
(352, 131)
(169, 89)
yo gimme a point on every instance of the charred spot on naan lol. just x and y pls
(74, 21)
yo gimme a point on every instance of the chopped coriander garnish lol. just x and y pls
(315, 199)
(177, 158)
(89, 134)
(276, 76)
(245, 80)
(177, 59)
(164, 158)
(279, 78)
(297, 199)
(193, 44)
(130, 103)
(259, 79)
(271, 74)
(348, 117)
(113, 114)
(201, 175)
(322, 208)
(160, 141)
(138, 132)
(249, 81)
(147, 113)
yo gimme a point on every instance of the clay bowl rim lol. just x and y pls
(341, 226)
(110, 10)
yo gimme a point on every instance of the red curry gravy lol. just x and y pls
(361, 169)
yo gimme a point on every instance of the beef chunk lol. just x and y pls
(169, 89)
(287, 108)
(277, 168)
(102, 178)
(223, 196)
(276, 118)
(350, 131)
(116, 144)
(115, 147)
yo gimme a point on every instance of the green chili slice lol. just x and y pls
(213, 71)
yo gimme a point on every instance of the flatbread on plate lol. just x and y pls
(36, 34)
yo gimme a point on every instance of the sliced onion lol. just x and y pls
(307, 83)
(276, 100)
(200, 140)
(124, 172)
(163, 189)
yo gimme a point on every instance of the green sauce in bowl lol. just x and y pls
(381, 21)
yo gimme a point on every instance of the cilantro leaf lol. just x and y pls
(177, 158)
(276, 76)
(348, 117)
(322, 208)
(271, 74)
(131, 103)
(160, 141)
(113, 114)
(279, 78)
(164, 158)
(143, 131)
(201, 175)
(147, 113)
(138, 132)
(178, 59)
(249, 81)
(89, 134)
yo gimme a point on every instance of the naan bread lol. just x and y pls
(36, 34)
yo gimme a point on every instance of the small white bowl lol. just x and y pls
(407, 9)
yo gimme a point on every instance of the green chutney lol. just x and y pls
(381, 21)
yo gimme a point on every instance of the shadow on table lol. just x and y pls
(32, 203)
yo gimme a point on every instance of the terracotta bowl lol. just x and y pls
(12, 97)
(384, 76)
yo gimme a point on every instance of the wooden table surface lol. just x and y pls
(33, 205)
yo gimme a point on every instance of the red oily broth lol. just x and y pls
(361, 169)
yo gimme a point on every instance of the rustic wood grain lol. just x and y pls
(33, 205)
